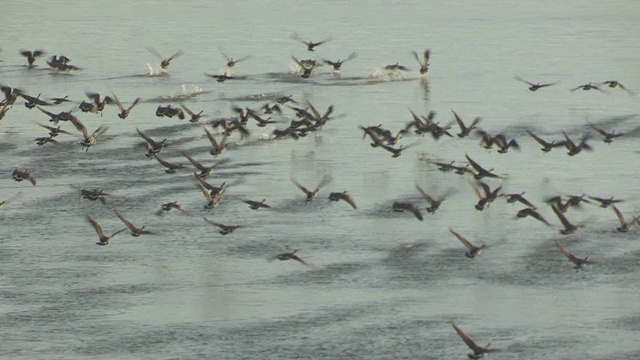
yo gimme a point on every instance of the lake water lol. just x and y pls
(190, 293)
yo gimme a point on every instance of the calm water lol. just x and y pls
(191, 293)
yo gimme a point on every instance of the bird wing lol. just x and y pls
(425, 195)
(477, 349)
(619, 215)
(206, 193)
(301, 187)
(96, 226)
(147, 139)
(195, 163)
(126, 222)
(567, 253)
(118, 103)
(464, 241)
(563, 219)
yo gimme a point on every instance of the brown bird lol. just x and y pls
(171, 205)
(94, 195)
(488, 197)
(605, 202)
(473, 250)
(504, 145)
(20, 175)
(216, 147)
(533, 213)
(289, 256)
(212, 201)
(231, 62)
(102, 238)
(624, 225)
(434, 204)
(337, 196)
(124, 112)
(306, 70)
(614, 84)
(480, 171)
(607, 136)
(204, 170)
(579, 263)
(568, 227)
(478, 351)
(512, 198)
(164, 62)
(170, 167)
(194, 117)
(546, 146)
(153, 147)
(400, 206)
(587, 87)
(573, 148)
(312, 194)
(424, 63)
(224, 229)
(310, 44)
(465, 130)
(255, 205)
(532, 86)
(31, 102)
(31, 56)
(135, 231)
(337, 65)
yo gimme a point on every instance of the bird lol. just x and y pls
(337, 196)
(306, 70)
(124, 112)
(94, 195)
(478, 351)
(204, 170)
(488, 197)
(164, 62)
(473, 250)
(465, 130)
(396, 67)
(604, 202)
(153, 147)
(424, 63)
(312, 194)
(261, 122)
(216, 147)
(255, 205)
(532, 86)
(400, 206)
(289, 256)
(579, 263)
(569, 228)
(480, 171)
(396, 152)
(171, 205)
(231, 62)
(213, 190)
(224, 229)
(337, 65)
(31, 101)
(221, 77)
(31, 56)
(433, 203)
(310, 44)
(587, 87)
(194, 117)
(98, 105)
(512, 198)
(135, 231)
(102, 238)
(573, 148)
(546, 146)
(614, 84)
(20, 175)
(607, 136)
(501, 142)
(170, 167)
(212, 201)
(624, 225)
(533, 213)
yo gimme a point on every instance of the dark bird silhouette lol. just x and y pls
(488, 197)
(164, 63)
(31, 102)
(124, 112)
(94, 195)
(533, 213)
(194, 117)
(624, 225)
(310, 44)
(255, 205)
(573, 148)
(478, 351)
(587, 87)
(171, 205)
(170, 167)
(424, 63)
(546, 146)
(135, 231)
(224, 229)
(615, 84)
(480, 171)
(605, 202)
(512, 198)
(216, 147)
(532, 86)
(31, 56)
(204, 170)
(465, 130)
(306, 69)
(569, 228)
(434, 204)
(309, 193)
(289, 256)
(401, 206)
(607, 136)
(19, 175)
(153, 147)
(338, 64)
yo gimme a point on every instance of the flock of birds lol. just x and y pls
(307, 118)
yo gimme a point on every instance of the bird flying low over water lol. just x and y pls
(434, 204)
(587, 87)
(289, 256)
(473, 250)
(309, 193)
(310, 44)
(164, 63)
(103, 239)
(337, 65)
(573, 148)
(31, 56)
(170, 167)
(124, 112)
(605, 202)
(569, 228)
(171, 205)
(607, 136)
(135, 231)
(546, 146)
(337, 196)
(401, 206)
(424, 63)
(532, 86)
(533, 213)
(615, 84)
(478, 351)
(153, 147)
(465, 130)
(579, 263)
(480, 171)
(255, 205)
(224, 229)
(20, 175)
(624, 225)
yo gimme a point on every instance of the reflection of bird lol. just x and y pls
(532, 86)
(579, 263)
(102, 238)
(473, 250)
(478, 351)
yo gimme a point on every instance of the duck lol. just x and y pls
(396, 67)
(231, 62)
(624, 225)
(153, 147)
(31, 56)
(310, 44)
(478, 351)
(45, 140)
(19, 175)
(221, 77)
(578, 262)
(10, 95)
(473, 250)
(546, 146)
(135, 231)
(569, 228)
(501, 142)
(170, 167)
(224, 229)
(311, 195)
(103, 239)
(60, 100)
(532, 86)
(213, 190)
(261, 122)
(124, 112)
(271, 109)
(306, 70)
(401, 206)
(396, 152)
(465, 130)
(424, 64)
(337, 196)
(171, 205)
(91, 139)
